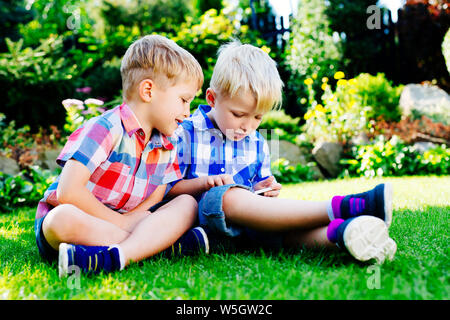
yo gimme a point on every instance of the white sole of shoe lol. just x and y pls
(388, 195)
(367, 238)
(63, 260)
(202, 231)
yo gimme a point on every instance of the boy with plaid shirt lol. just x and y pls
(116, 166)
(224, 160)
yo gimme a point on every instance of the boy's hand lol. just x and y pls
(269, 183)
(131, 219)
(218, 180)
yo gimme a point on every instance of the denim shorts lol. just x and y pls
(212, 218)
(46, 251)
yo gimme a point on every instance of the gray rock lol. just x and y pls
(287, 150)
(9, 166)
(327, 155)
(428, 100)
(424, 146)
(47, 159)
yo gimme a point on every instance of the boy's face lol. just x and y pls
(171, 105)
(236, 117)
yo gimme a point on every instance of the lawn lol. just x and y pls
(420, 269)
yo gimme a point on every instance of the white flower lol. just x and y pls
(93, 101)
(71, 102)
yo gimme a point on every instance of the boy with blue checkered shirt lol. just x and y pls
(224, 161)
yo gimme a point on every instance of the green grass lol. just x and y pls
(420, 269)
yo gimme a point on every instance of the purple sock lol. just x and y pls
(336, 206)
(332, 229)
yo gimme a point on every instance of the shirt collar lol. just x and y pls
(132, 125)
(202, 122)
(200, 118)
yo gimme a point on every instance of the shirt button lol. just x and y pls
(222, 169)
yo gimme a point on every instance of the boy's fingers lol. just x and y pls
(276, 186)
(218, 181)
(210, 182)
(266, 183)
(271, 193)
(227, 179)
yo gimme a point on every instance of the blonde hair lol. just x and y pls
(159, 59)
(243, 67)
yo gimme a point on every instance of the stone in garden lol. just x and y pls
(327, 155)
(360, 139)
(9, 166)
(47, 159)
(428, 100)
(287, 150)
(424, 146)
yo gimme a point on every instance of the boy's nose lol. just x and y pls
(187, 111)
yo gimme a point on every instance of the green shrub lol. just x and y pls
(286, 173)
(34, 79)
(379, 95)
(282, 125)
(279, 119)
(312, 51)
(203, 36)
(24, 189)
(345, 112)
(341, 114)
(78, 112)
(394, 158)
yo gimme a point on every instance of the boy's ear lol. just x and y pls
(145, 90)
(211, 97)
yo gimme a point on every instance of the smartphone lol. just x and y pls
(263, 190)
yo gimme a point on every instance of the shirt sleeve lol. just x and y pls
(263, 171)
(90, 144)
(183, 154)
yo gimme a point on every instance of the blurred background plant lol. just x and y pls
(395, 158)
(343, 80)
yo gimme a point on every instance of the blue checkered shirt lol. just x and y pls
(203, 150)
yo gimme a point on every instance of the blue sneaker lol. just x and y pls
(376, 202)
(193, 241)
(90, 259)
(365, 238)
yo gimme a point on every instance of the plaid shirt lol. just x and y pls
(204, 150)
(124, 171)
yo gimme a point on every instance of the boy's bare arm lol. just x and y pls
(72, 190)
(197, 186)
(156, 196)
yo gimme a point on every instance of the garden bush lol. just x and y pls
(339, 116)
(284, 172)
(24, 189)
(35, 79)
(312, 52)
(395, 158)
(378, 94)
(345, 112)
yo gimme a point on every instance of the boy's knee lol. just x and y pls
(59, 221)
(188, 202)
(231, 197)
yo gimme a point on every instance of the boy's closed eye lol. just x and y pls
(237, 115)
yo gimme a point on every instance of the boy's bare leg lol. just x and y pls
(272, 214)
(161, 229)
(313, 238)
(153, 234)
(67, 223)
